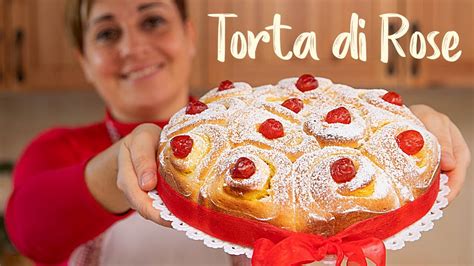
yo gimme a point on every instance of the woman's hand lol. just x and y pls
(137, 170)
(455, 154)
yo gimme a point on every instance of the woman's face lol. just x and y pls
(138, 55)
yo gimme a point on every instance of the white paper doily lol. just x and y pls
(395, 242)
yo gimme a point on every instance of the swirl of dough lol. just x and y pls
(187, 174)
(319, 198)
(244, 130)
(240, 90)
(412, 174)
(316, 97)
(373, 107)
(380, 117)
(217, 113)
(345, 94)
(272, 100)
(351, 135)
(266, 195)
(290, 84)
(231, 104)
(374, 97)
(188, 164)
(257, 181)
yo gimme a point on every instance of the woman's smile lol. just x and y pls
(137, 74)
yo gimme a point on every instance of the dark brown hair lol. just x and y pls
(77, 11)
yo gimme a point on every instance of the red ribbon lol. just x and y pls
(276, 246)
(304, 248)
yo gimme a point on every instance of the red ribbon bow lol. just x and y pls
(300, 249)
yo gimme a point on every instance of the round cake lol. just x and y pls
(305, 155)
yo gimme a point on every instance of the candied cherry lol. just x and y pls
(294, 104)
(271, 129)
(181, 146)
(226, 85)
(393, 98)
(339, 115)
(195, 107)
(243, 168)
(343, 170)
(307, 82)
(410, 141)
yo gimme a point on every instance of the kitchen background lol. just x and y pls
(41, 85)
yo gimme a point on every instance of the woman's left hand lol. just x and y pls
(455, 154)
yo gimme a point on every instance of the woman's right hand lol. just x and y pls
(137, 170)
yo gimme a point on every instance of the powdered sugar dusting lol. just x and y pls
(408, 172)
(270, 166)
(345, 94)
(209, 141)
(290, 83)
(321, 188)
(334, 133)
(256, 182)
(215, 114)
(294, 170)
(244, 130)
(374, 97)
(241, 89)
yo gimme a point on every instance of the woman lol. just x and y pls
(71, 185)
(138, 55)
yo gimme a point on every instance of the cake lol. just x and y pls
(305, 155)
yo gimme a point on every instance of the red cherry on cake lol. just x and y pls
(393, 98)
(339, 115)
(243, 168)
(271, 129)
(410, 142)
(226, 85)
(307, 82)
(195, 107)
(343, 170)
(181, 146)
(294, 104)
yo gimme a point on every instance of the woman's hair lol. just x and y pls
(77, 12)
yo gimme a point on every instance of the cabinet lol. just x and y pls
(40, 55)
(36, 55)
(442, 16)
(2, 45)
